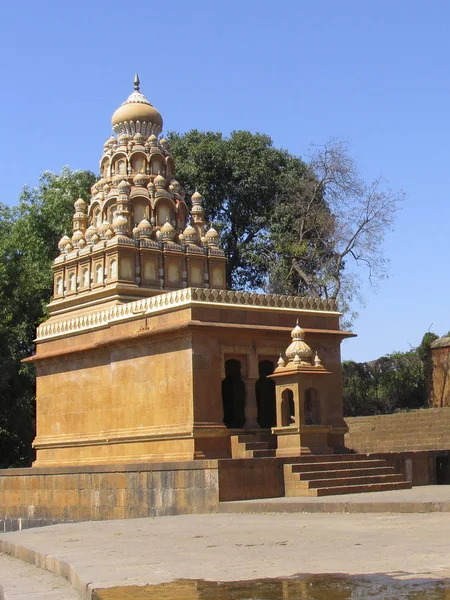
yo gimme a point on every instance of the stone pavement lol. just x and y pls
(226, 547)
(420, 499)
(21, 580)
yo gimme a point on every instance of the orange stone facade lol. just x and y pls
(145, 356)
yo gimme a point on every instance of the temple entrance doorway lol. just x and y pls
(233, 395)
(265, 396)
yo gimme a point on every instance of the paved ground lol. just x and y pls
(233, 547)
(22, 581)
(430, 498)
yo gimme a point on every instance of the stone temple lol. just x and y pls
(158, 390)
(146, 356)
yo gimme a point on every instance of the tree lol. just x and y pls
(29, 234)
(326, 221)
(398, 381)
(239, 177)
(287, 226)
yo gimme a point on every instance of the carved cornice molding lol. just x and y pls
(184, 297)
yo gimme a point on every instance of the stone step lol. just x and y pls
(263, 453)
(254, 437)
(310, 475)
(348, 480)
(330, 465)
(315, 458)
(256, 445)
(364, 488)
(350, 489)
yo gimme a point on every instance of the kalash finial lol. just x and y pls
(136, 82)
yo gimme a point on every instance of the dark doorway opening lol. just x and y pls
(287, 408)
(443, 470)
(233, 395)
(265, 396)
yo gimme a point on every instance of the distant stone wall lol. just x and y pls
(440, 358)
(416, 430)
(41, 496)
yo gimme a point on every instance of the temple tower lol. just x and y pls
(136, 237)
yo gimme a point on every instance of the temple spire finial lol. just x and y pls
(136, 82)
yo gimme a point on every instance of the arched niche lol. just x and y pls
(233, 395)
(141, 209)
(104, 169)
(95, 214)
(85, 277)
(287, 408)
(99, 273)
(72, 282)
(119, 165)
(139, 162)
(110, 209)
(59, 287)
(312, 407)
(170, 168)
(113, 269)
(182, 215)
(157, 165)
(164, 210)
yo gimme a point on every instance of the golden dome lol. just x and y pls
(212, 237)
(145, 229)
(80, 204)
(167, 231)
(190, 235)
(211, 234)
(196, 197)
(63, 241)
(137, 108)
(299, 348)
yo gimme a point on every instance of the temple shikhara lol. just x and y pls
(159, 391)
(136, 237)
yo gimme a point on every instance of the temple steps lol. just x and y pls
(253, 445)
(340, 474)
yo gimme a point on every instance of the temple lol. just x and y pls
(156, 382)
(146, 356)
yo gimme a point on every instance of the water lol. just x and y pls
(305, 587)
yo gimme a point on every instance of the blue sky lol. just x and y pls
(375, 73)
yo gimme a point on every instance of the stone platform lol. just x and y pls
(232, 547)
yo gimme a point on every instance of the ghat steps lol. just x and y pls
(326, 475)
(322, 475)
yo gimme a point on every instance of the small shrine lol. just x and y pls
(304, 401)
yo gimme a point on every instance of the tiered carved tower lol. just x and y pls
(136, 237)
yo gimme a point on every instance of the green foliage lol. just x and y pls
(29, 234)
(286, 226)
(398, 381)
(240, 178)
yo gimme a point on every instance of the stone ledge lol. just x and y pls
(192, 465)
(156, 304)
